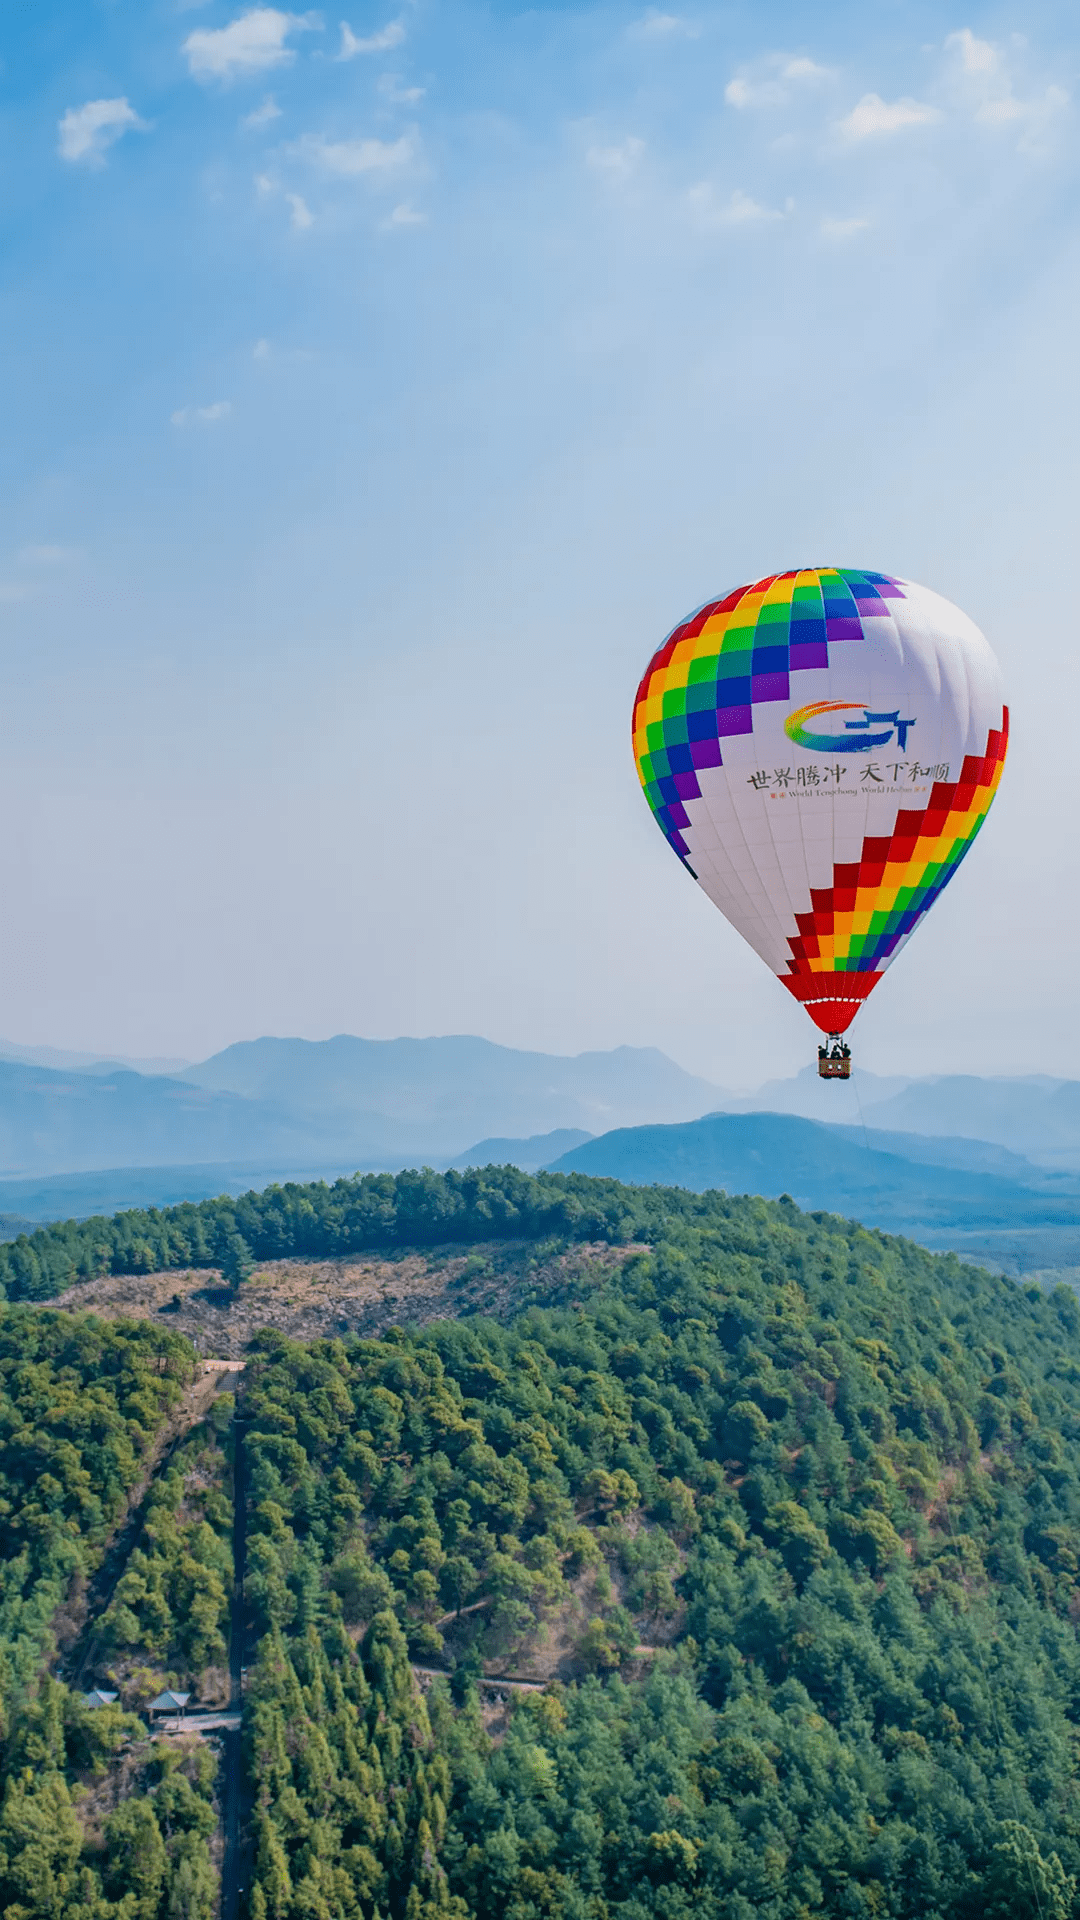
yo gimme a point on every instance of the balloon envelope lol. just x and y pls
(820, 750)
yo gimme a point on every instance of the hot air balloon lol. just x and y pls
(820, 749)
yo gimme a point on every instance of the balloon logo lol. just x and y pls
(825, 865)
(843, 742)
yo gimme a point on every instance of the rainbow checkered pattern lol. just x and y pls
(701, 688)
(704, 682)
(856, 925)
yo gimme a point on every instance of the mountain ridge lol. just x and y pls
(428, 1101)
(444, 1080)
(1037, 1115)
(820, 1167)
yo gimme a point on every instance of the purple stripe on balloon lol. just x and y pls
(679, 815)
(735, 720)
(872, 609)
(706, 753)
(843, 629)
(810, 653)
(769, 686)
(687, 787)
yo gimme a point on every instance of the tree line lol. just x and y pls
(320, 1220)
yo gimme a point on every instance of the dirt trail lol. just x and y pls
(236, 1798)
(483, 1681)
(235, 1795)
(82, 1620)
(237, 1861)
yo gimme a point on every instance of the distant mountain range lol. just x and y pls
(53, 1122)
(834, 1168)
(953, 1155)
(65, 1057)
(30, 1202)
(944, 1191)
(1032, 1114)
(435, 1097)
(530, 1155)
(439, 1094)
(301, 1105)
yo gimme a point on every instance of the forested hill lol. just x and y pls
(781, 1518)
(320, 1221)
(791, 1510)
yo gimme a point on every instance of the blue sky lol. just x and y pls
(379, 387)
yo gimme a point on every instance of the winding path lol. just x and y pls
(103, 1584)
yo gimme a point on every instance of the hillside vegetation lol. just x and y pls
(779, 1518)
(81, 1405)
(790, 1510)
(95, 1823)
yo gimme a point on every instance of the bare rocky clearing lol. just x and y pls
(324, 1299)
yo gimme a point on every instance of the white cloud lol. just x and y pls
(843, 229)
(85, 132)
(201, 416)
(742, 93)
(261, 350)
(776, 78)
(976, 56)
(300, 218)
(709, 210)
(874, 116)
(1032, 110)
(406, 216)
(389, 36)
(262, 116)
(617, 162)
(1033, 115)
(248, 45)
(655, 25)
(400, 96)
(982, 85)
(348, 159)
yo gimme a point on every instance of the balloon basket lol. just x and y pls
(834, 1059)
